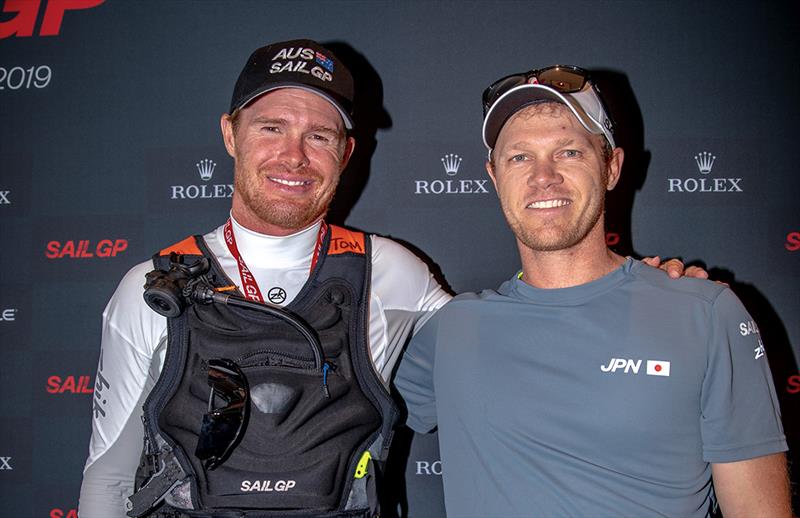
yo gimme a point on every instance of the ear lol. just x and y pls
(227, 134)
(615, 167)
(349, 147)
(490, 171)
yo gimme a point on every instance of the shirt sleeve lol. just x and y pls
(403, 296)
(414, 378)
(128, 367)
(740, 413)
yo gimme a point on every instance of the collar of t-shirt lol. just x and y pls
(517, 288)
(277, 262)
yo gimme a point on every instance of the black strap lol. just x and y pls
(167, 477)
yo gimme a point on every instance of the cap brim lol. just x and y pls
(523, 95)
(348, 121)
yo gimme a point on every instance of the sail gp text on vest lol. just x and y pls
(267, 485)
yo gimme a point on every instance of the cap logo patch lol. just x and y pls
(324, 61)
(302, 60)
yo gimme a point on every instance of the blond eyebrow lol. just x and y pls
(317, 128)
(326, 129)
(268, 120)
(572, 141)
(524, 144)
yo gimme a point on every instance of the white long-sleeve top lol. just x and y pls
(403, 295)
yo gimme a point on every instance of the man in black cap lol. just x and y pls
(249, 411)
(287, 411)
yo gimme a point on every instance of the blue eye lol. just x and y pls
(518, 158)
(572, 153)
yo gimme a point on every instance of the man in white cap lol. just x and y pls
(587, 384)
(286, 411)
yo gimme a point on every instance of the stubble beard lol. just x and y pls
(556, 237)
(282, 212)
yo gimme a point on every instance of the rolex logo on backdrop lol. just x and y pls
(206, 169)
(427, 467)
(704, 162)
(451, 163)
(205, 189)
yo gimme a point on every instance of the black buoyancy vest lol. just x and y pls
(304, 448)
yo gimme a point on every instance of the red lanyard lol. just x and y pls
(249, 284)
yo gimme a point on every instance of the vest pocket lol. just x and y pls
(284, 459)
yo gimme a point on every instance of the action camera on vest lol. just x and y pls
(168, 293)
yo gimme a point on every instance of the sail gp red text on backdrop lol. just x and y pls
(70, 384)
(792, 241)
(84, 249)
(23, 23)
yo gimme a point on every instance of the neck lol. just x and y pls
(249, 220)
(579, 264)
(261, 250)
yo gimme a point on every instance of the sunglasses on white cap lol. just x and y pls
(567, 84)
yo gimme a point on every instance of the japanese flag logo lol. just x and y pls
(657, 368)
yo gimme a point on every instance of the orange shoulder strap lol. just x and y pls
(186, 247)
(345, 241)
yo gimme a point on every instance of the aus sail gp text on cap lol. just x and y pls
(303, 64)
(629, 366)
(304, 61)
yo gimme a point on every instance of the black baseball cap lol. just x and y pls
(303, 64)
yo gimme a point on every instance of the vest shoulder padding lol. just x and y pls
(345, 241)
(186, 247)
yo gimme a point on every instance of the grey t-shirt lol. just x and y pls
(606, 399)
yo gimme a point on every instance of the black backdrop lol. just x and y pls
(107, 109)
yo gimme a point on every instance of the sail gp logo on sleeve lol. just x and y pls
(750, 328)
(759, 350)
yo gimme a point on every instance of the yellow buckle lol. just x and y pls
(361, 467)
